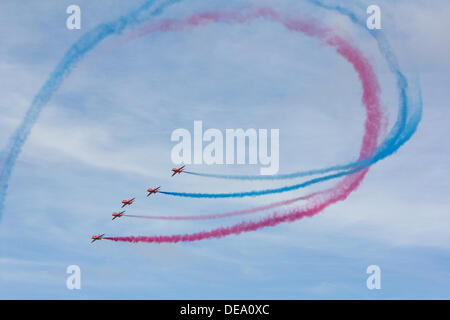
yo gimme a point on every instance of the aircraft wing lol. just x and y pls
(174, 173)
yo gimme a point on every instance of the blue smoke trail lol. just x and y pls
(403, 137)
(403, 129)
(259, 192)
(412, 122)
(71, 58)
(408, 119)
(394, 134)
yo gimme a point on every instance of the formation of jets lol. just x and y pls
(129, 202)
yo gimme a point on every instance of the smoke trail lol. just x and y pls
(395, 138)
(404, 127)
(413, 118)
(71, 58)
(229, 214)
(406, 121)
(256, 193)
(409, 115)
(340, 194)
(366, 75)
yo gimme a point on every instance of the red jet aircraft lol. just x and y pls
(177, 170)
(127, 202)
(99, 237)
(152, 190)
(117, 214)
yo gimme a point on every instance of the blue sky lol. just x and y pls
(105, 136)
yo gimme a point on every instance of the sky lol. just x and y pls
(105, 136)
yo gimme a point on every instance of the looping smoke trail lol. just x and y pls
(229, 214)
(71, 58)
(365, 73)
(337, 193)
(402, 131)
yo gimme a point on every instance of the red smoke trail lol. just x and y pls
(247, 226)
(373, 121)
(228, 214)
